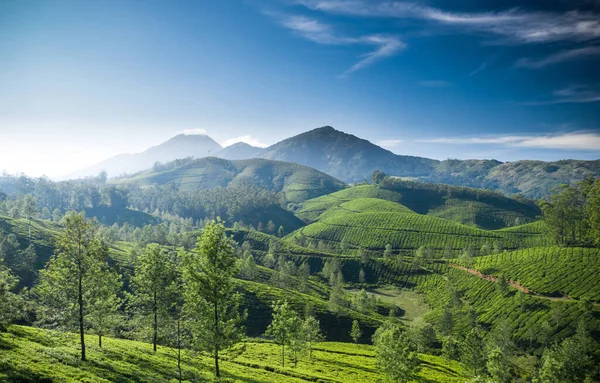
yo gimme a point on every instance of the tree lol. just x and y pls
(355, 332)
(360, 301)
(395, 354)
(105, 304)
(362, 276)
(337, 297)
(377, 177)
(564, 362)
(312, 330)
(30, 210)
(280, 232)
(270, 227)
(473, 351)
(498, 366)
(211, 299)
(422, 334)
(502, 285)
(446, 323)
(388, 251)
(68, 280)
(248, 269)
(153, 288)
(11, 304)
(284, 327)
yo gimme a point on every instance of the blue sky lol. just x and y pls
(83, 80)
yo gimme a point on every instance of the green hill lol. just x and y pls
(406, 231)
(297, 182)
(41, 356)
(473, 207)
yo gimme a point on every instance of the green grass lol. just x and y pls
(553, 271)
(35, 355)
(412, 303)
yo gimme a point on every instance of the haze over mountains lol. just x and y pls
(352, 159)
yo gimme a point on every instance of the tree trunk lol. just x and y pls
(179, 349)
(80, 301)
(217, 372)
(100, 341)
(155, 333)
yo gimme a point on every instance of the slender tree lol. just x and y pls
(152, 285)
(284, 326)
(355, 332)
(312, 329)
(211, 300)
(104, 314)
(67, 282)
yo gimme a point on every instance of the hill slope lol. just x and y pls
(298, 182)
(473, 207)
(31, 355)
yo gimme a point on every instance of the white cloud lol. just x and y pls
(559, 57)
(315, 31)
(580, 94)
(515, 24)
(480, 68)
(573, 140)
(389, 144)
(191, 132)
(435, 84)
(247, 139)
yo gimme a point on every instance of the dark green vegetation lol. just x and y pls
(498, 298)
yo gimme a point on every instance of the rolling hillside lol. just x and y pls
(468, 206)
(297, 182)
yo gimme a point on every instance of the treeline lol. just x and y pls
(24, 197)
(572, 214)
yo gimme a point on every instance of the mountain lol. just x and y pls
(297, 182)
(352, 159)
(344, 156)
(238, 151)
(180, 146)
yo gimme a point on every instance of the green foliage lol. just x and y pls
(11, 304)
(154, 288)
(287, 329)
(68, 284)
(211, 300)
(395, 355)
(355, 332)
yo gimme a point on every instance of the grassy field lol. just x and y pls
(35, 355)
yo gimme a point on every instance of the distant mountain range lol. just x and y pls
(352, 159)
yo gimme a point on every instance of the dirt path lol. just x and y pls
(517, 286)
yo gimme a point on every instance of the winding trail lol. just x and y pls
(514, 284)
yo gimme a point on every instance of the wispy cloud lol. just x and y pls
(580, 94)
(315, 31)
(389, 144)
(517, 25)
(191, 132)
(435, 84)
(248, 139)
(481, 68)
(573, 140)
(559, 57)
